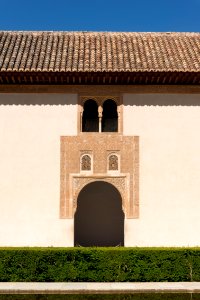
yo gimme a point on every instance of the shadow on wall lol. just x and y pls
(38, 99)
(129, 99)
(162, 99)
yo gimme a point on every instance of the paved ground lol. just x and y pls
(98, 288)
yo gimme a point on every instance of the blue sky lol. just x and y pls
(102, 15)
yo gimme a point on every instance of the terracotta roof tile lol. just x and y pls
(99, 52)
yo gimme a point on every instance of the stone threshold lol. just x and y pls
(97, 287)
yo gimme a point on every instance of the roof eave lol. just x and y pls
(108, 78)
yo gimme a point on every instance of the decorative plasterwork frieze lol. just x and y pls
(121, 183)
(125, 180)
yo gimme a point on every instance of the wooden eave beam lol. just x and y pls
(100, 78)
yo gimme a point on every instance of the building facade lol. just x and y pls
(99, 139)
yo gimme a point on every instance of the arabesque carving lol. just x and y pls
(119, 182)
(85, 163)
(113, 163)
(126, 180)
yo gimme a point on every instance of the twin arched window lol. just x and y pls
(100, 119)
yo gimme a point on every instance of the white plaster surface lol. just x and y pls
(169, 170)
(30, 169)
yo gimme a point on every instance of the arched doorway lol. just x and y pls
(99, 219)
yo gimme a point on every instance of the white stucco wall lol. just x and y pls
(30, 169)
(169, 170)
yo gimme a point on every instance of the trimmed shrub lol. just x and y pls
(194, 263)
(99, 264)
(102, 297)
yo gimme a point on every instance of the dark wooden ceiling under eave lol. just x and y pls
(99, 78)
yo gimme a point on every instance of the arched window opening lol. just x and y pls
(113, 163)
(90, 120)
(110, 116)
(86, 164)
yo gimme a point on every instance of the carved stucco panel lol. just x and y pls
(113, 162)
(120, 183)
(99, 147)
(85, 163)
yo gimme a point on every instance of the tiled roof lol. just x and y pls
(99, 52)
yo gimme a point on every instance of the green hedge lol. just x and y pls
(143, 296)
(99, 264)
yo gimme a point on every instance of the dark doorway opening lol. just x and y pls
(90, 120)
(99, 219)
